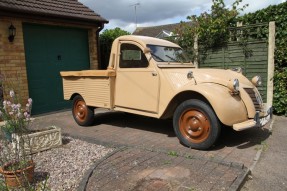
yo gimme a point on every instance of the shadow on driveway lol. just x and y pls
(228, 137)
(126, 120)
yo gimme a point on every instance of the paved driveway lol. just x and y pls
(147, 137)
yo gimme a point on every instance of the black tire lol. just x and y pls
(196, 125)
(83, 114)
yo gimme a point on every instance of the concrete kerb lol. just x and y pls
(259, 152)
(83, 184)
(239, 182)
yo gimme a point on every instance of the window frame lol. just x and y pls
(131, 64)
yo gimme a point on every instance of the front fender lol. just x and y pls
(230, 109)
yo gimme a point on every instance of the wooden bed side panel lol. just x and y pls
(98, 92)
(73, 85)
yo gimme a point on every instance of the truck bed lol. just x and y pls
(89, 73)
(95, 86)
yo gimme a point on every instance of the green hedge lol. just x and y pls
(275, 13)
(107, 38)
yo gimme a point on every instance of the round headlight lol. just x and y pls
(256, 81)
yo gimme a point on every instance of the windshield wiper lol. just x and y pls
(171, 58)
(157, 57)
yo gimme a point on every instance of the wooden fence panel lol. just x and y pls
(252, 57)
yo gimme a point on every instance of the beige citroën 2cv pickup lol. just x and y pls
(152, 77)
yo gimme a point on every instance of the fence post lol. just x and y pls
(195, 47)
(271, 49)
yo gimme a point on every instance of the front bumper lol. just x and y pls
(256, 122)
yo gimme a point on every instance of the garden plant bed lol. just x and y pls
(63, 167)
(66, 165)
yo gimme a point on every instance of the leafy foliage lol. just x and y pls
(211, 28)
(275, 13)
(280, 91)
(106, 41)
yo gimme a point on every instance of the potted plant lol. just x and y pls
(16, 167)
(17, 140)
(16, 118)
(18, 173)
(16, 126)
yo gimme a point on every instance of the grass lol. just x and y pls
(173, 153)
(167, 162)
(264, 145)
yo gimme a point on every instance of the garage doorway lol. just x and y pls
(49, 50)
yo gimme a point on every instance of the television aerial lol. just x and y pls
(135, 6)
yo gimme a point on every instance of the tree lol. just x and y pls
(106, 41)
(211, 29)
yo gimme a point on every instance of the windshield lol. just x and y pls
(168, 54)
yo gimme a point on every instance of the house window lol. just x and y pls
(132, 57)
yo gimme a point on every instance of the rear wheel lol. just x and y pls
(82, 114)
(196, 124)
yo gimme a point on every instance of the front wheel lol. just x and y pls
(82, 114)
(196, 125)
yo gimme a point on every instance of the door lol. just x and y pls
(137, 82)
(49, 50)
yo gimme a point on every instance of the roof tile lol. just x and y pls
(153, 31)
(59, 8)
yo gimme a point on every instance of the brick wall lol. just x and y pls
(12, 55)
(93, 49)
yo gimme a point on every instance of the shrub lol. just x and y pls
(275, 13)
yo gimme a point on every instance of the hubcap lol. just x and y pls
(194, 126)
(80, 110)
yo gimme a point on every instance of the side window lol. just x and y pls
(132, 57)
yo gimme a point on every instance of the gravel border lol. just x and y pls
(66, 165)
(88, 174)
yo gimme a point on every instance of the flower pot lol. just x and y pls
(38, 141)
(19, 177)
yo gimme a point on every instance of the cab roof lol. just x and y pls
(144, 40)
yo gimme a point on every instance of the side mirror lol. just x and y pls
(146, 50)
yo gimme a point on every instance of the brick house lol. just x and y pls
(51, 36)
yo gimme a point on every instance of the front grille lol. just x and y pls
(254, 98)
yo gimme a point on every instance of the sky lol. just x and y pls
(122, 13)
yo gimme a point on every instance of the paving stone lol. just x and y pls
(154, 173)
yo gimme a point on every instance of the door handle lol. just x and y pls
(154, 74)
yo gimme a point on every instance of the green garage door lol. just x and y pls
(49, 50)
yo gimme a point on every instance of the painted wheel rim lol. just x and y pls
(194, 126)
(80, 110)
